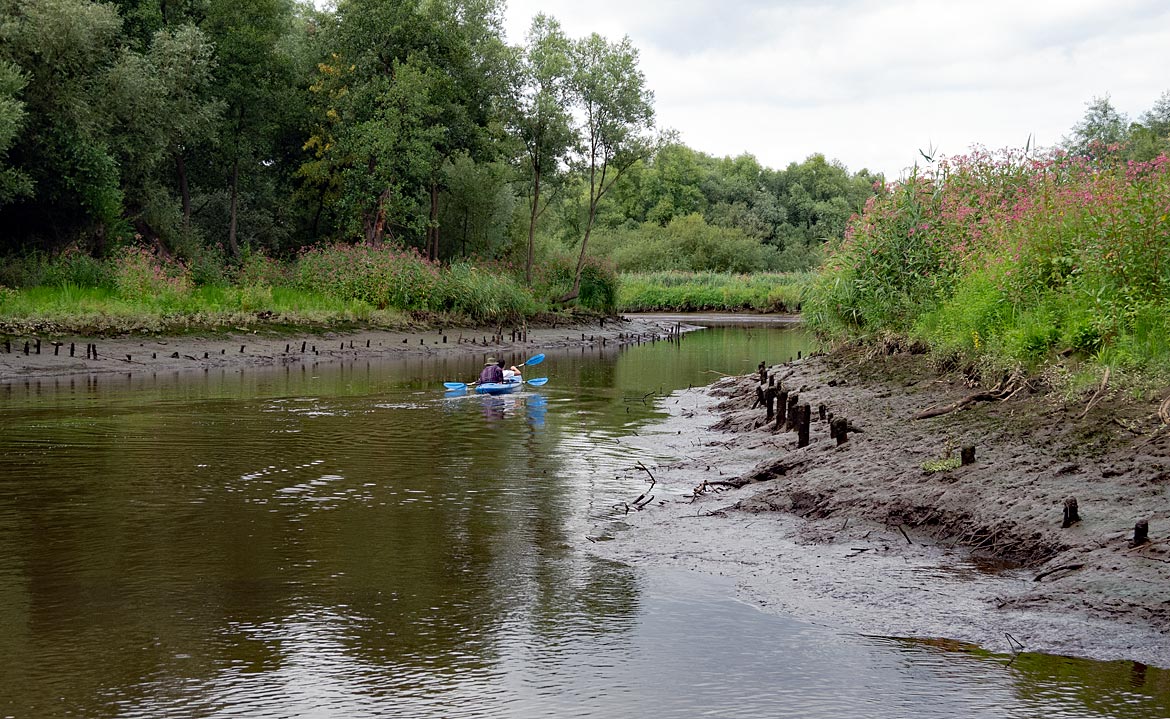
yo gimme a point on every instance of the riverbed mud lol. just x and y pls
(72, 355)
(880, 535)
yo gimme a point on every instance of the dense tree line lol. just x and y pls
(212, 128)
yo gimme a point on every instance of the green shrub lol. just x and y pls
(76, 267)
(381, 276)
(599, 281)
(482, 296)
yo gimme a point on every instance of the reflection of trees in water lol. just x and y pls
(1118, 688)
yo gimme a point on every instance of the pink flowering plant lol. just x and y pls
(144, 275)
(1012, 255)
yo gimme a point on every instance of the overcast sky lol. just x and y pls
(870, 83)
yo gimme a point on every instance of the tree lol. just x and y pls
(253, 79)
(540, 115)
(14, 182)
(64, 50)
(1102, 127)
(617, 116)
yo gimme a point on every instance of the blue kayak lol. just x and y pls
(509, 385)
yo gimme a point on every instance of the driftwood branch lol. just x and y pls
(1061, 568)
(1097, 395)
(1005, 390)
(1164, 411)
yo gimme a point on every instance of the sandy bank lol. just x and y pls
(860, 536)
(271, 347)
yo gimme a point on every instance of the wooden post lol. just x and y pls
(1141, 533)
(841, 427)
(7, 346)
(287, 347)
(821, 409)
(804, 415)
(781, 403)
(38, 345)
(72, 347)
(368, 342)
(967, 456)
(790, 417)
(95, 350)
(56, 349)
(241, 349)
(763, 370)
(26, 348)
(1070, 513)
(303, 347)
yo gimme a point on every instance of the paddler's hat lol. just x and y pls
(491, 360)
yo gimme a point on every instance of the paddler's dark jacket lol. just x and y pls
(491, 373)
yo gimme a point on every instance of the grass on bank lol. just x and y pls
(1004, 260)
(139, 289)
(712, 291)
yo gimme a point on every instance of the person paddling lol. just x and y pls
(493, 372)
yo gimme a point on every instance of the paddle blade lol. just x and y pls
(533, 360)
(455, 385)
(537, 382)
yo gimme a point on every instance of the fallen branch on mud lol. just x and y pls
(1005, 390)
(1097, 395)
(1061, 568)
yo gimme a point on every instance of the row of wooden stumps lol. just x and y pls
(34, 347)
(1141, 530)
(789, 413)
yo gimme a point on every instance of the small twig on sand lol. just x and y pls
(1012, 644)
(1097, 395)
(1061, 568)
(907, 536)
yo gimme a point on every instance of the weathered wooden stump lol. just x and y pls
(1141, 533)
(840, 428)
(804, 417)
(967, 455)
(781, 404)
(790, 417)
(1071, 516)
(821, 411)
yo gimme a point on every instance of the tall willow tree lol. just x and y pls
(618, 116)
(540, 116)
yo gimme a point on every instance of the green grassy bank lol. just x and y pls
(712, 291)
(137, 289)
(1004, 260)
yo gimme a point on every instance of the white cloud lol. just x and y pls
(870, 83)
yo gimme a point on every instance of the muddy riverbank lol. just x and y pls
(72, 355)
(864, 537)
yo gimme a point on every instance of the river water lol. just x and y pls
(346, 540)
